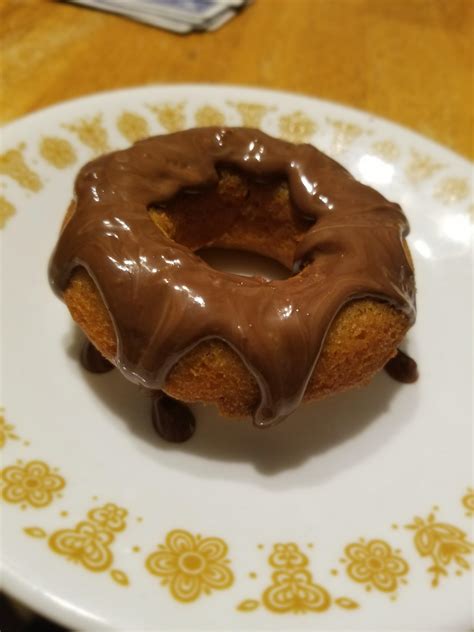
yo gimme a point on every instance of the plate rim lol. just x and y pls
(229, 86)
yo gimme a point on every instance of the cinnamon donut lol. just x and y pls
(126, 267)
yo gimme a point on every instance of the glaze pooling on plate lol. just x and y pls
(172, 420)
(164, 300)
(402, 368)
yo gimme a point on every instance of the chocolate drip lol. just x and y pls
(163, 300)
(402, 368)
(172, 420)
(93, 361)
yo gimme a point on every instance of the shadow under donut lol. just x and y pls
(222, 447)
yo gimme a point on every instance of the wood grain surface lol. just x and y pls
(408, 60)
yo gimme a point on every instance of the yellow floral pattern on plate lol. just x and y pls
(452, 190)
(6, 430)
(91, 132)
(444, 543)
(208, 115)
(13, 165)
(89, 542)
(171, 116)
(296, 127)
(251, 114)
(248, 605)
(468, 501)
(7, 210)
(191, 565)
(386, 149)
(34, 484)
(375, 564)
(57, 151)
(293, 589)
(86, 544)
(421, 166)
(109, 517)
(344, 134)
(133, 126)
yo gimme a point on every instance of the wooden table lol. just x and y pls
(408, 60)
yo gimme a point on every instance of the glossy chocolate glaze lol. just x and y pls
(172, 420)
(164, 300)
(402, 368)
(93, 361)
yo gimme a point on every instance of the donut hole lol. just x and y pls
(244, 263)
(238, 212)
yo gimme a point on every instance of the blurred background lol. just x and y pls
(411, 61)
(408, 60)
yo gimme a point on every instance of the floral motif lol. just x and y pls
(109, 517)
(468, 501)
(191, 565)
(452, 190)
(86, 544)
(7, 210)
(296, 127)
(133, 126)
(375, 564)
(250, 113)
(91, 132)
(6, 430)
(421, 166)
(442, 542)
(34, 484)
(287, 556)
(89, 542)
(293, 590)
(344, 134)
(170, 116)
(57, 151)
(208, 115)
(12, 164)
(386, 149)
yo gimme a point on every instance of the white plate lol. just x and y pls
(263, 515)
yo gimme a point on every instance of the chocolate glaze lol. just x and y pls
(402, 368)
(164, 300)
(93, 361)
(172, 420)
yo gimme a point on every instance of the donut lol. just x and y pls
(127, 266)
